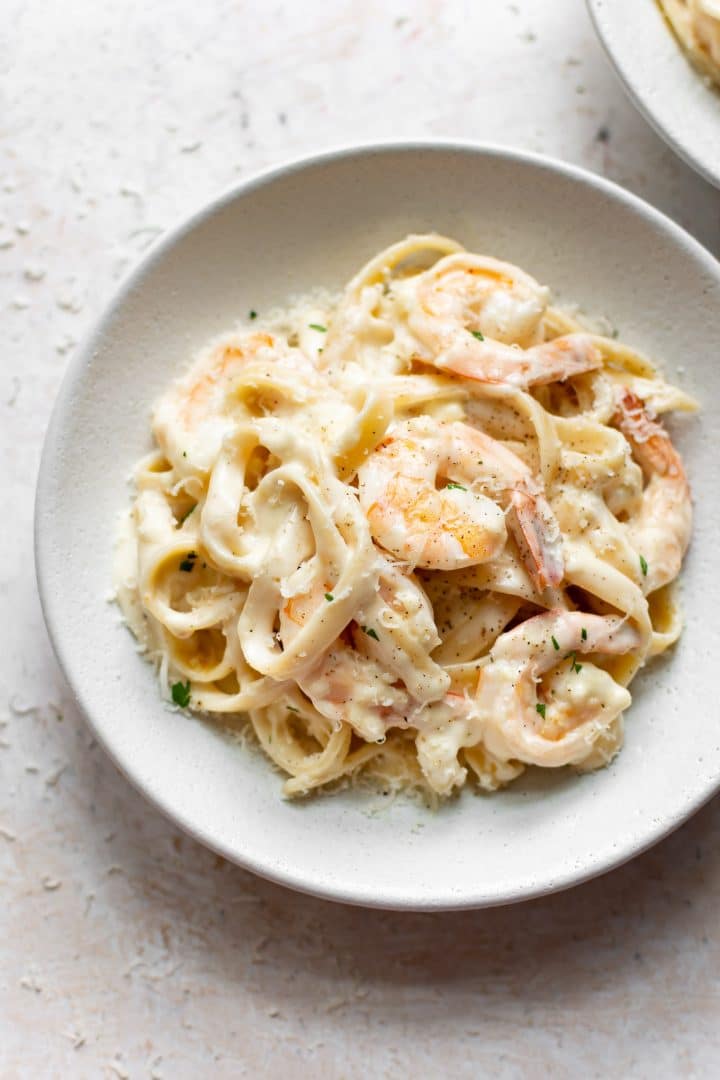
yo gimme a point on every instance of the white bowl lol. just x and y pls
(679, 103)
(313, 223)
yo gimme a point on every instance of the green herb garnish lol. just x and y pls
(252, 314)
(556, 644)
(574, 666)
(317, 326)
(457, 487)
(478, 334)
(188, 563)
(583, 634)
(181, 694)
(643, 565)
(370, 632)
(329, 597)
(291, 708)
(540, 707)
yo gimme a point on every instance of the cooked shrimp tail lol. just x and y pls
(660, 532)
(537, 535)
(492, 362)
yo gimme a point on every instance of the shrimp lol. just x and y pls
(379, 672)
(577, 703)
(493, 297)
(482, 319)
(492, 362)
(338, 684)
(660, 532)
(346, 685)
(458, 525)
(192, 419)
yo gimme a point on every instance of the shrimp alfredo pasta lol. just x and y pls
(426, 530)
(697, 25)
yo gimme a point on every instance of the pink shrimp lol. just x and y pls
(482, 318)
(584, 699)
(463, 523)
(661, 530)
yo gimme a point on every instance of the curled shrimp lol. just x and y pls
(660, 532)
(556, 722)
(482, 318)
(379, 671)
(463, 523)
(343, 685)
(493, 297)
(192, 419)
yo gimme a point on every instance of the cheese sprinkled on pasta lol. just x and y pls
(426, 530)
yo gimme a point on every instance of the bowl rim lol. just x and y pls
(293, 879)
(654, 119)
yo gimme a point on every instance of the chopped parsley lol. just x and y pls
(329, 597)
(643, 565)
(583, 634)
(556, 644)
(540, 707)
(370, 632)
(478, 334)
(291, 708)
(574, 666)
(181, 694)
(453, 485)
(252, 314)
(317, 326)
(187, 514)
(188, 563)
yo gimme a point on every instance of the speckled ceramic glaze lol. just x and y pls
(313, 223)
(672, 95)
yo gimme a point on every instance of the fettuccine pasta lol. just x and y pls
(697, 26)
(424, 531)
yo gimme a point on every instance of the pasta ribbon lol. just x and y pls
(424, 532)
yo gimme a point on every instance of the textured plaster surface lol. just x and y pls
(126, 950)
